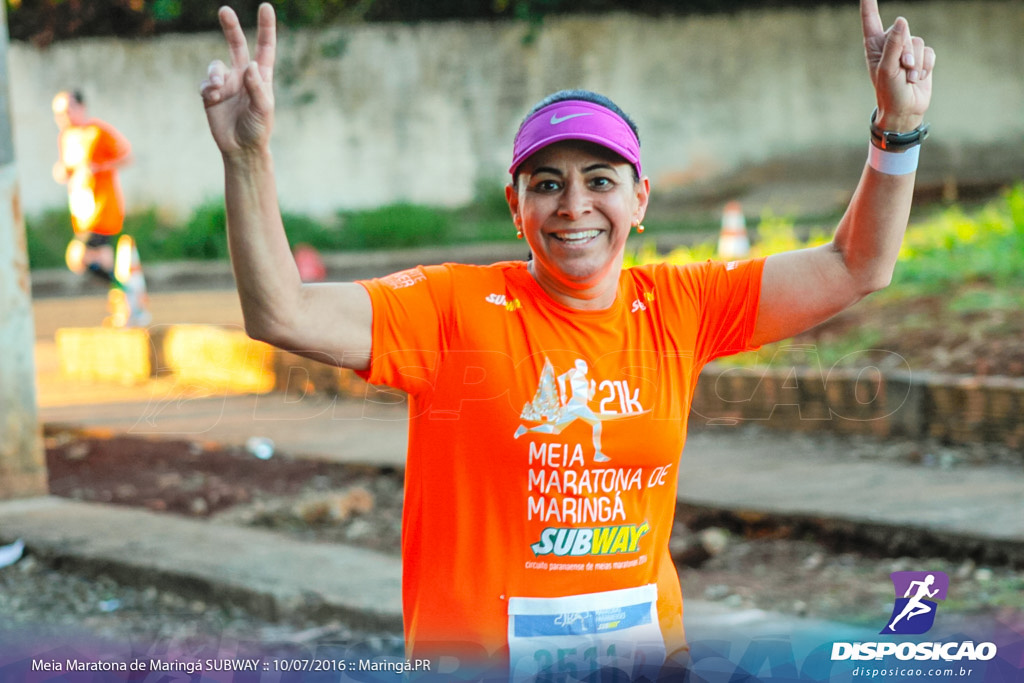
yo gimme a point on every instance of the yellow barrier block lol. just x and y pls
(219, 359)
(104, 354)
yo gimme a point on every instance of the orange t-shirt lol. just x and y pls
(544, 441)
(94, 199)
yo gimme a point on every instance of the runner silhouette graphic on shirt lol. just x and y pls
(915, 606)
(558, 406)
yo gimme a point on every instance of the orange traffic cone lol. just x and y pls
(732, 240)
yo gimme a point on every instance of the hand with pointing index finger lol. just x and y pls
(239, 99)
(900, 66)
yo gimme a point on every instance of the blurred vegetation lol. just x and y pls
(960, 247)
(46, 21)
(775, 234)
(203, 236)
(952, 246)
(970, 260)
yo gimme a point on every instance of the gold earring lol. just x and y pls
(519, 234)
(640, 228)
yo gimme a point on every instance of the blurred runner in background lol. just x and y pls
(90, 153)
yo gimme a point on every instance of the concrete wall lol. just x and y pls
(380, 113)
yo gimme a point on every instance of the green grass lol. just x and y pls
(981, 300)
(957, 247)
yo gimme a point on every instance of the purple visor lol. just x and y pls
(575, 120)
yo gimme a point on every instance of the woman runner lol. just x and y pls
(549, 398)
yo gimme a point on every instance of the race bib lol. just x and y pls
(564, 639)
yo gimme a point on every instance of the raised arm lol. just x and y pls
(329, 322)
(802, 288)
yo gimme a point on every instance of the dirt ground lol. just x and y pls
(312, 499)
(361, 505)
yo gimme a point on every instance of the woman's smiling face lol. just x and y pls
(575, 203)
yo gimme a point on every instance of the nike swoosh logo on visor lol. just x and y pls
(555, 120)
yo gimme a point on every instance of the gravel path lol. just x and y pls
(44, 605)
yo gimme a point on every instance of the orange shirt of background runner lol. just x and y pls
(80, 147)
(471, 346)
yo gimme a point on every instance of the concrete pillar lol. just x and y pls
(22, 462)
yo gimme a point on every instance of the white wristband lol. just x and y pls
(893, 163)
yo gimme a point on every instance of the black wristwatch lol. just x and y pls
(896, 142)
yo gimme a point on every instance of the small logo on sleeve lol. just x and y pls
(405, 278)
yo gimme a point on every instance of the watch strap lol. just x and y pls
(892, 141)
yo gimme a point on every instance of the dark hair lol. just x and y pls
(73, 94)
(585, 96)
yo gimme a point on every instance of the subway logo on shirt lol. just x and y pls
(607, 540)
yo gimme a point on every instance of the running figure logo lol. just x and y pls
(914, 613)
(556, 406)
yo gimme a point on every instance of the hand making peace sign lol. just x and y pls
(239, 100)
(900, 67)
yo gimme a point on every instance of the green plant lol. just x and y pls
(203, 236)
(47, 236)
(489, 201)
(776, 234)
(148, 230)
(302, 229)
(646, 253)
(396, 225)
(956, 247)
(486, 218)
